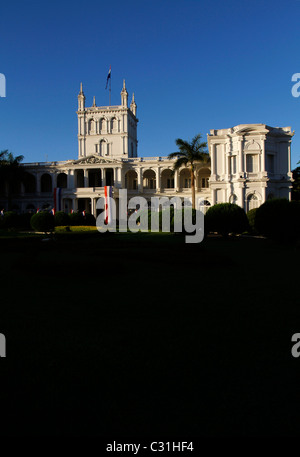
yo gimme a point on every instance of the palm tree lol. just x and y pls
(11, 173)
(190, 153)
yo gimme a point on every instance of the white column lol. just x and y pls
(115, 176)
(140, 179)
(86, 177)
(103, 174)
(241, 158)
(263, 157)
(213, 161)
(122, 174)
(38, 183)
(93, 206)
(70, 182)
(158, 179)
(213, 196)
(176, 180)
(53, 178)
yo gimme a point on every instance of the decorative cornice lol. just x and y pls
(92, 159)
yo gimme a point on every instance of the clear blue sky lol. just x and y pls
(193, 65)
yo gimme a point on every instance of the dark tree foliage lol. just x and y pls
(225, 218)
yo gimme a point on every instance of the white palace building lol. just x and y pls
(249, 163)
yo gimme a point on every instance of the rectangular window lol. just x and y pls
(232, 164)
(187, 183)
(270, 163)
(252, 163)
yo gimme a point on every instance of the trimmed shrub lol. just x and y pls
(225, 218)
(10, 220)
(251, 219)
(42, 222)
(61, 218)
(24, 221)
(278, 219)
(76, 219)
(89, 219)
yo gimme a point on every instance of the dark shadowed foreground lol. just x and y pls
(142, 335)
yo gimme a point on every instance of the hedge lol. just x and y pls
(42, 222)
(279, 219)
(61, 218)
(225, 218)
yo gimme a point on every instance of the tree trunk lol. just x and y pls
(193, 188)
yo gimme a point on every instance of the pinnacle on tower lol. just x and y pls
(124, 95)
(94, 101)
(81, 99)
(133, 105)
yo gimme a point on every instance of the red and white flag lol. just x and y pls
(108, 211)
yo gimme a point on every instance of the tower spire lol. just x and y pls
(133, 106)
(94, 102)
(124, 95)
(81, 99)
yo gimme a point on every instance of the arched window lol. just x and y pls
(104, 148)
(62, 180)
(203, 178)
(131, 182)
(92, 126)
(233, 199)
(46, 183)
(149, 179)
(114, 125)
(29, 183)
(185, 179)
(102, 125)
(203, 205)
(167, 179)
(252, 202)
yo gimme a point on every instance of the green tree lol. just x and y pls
(188, 155)
(11, 173)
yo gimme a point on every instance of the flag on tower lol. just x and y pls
(108, 209)
(108, 76)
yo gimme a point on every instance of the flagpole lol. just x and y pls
(110, 90)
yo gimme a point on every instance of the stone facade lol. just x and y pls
(249, 164)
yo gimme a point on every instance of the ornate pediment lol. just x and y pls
(95, 159)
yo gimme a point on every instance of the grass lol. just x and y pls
(80, 228)
(144, 335)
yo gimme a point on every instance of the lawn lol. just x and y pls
(144, 335)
